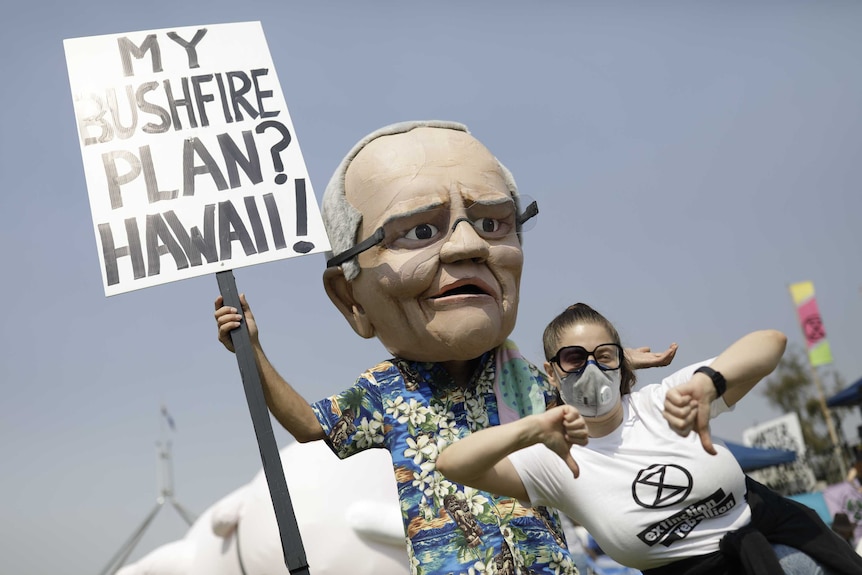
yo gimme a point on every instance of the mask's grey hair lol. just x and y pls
(342, 220)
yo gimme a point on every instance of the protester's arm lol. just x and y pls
(642, 357)
(480, 459)
(743, 364)
(286, 405)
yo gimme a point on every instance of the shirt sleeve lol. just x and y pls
(542, 472)
(717, 407)
(352, 419)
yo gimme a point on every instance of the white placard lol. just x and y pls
(783, 432)
(190, 156)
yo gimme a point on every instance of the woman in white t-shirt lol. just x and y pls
(639, 470)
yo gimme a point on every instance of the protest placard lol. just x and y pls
(784, 432)
(193, 167)
(190, 156)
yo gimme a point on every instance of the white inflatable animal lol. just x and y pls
(347, 511)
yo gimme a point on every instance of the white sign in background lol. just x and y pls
(784, 432)
(190, 156)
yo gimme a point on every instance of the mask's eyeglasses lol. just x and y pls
(417, 231)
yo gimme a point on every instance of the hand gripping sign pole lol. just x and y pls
(291, 542)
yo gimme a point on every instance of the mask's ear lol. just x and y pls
(340, 292)
(552, 374)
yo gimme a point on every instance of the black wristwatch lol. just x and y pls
(717, 379)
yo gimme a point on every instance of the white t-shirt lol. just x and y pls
(647, 495)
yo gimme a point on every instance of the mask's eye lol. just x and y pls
(488, 225)
(422, 232)
(493, 221)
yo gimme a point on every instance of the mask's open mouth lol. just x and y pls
(467, 289)
(462, 288)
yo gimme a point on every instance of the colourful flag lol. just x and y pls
(812, 326)
(168, 418)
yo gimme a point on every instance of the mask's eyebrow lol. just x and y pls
(420, 210)
(498, 202)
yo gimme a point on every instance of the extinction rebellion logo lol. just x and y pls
(659, 486)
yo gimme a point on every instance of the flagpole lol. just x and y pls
(165, 485)
(830, 425)
(166, 466)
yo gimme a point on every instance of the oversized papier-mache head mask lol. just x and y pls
(426, 256)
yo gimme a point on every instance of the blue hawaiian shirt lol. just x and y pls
(415, 410)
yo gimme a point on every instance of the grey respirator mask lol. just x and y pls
(593, 391)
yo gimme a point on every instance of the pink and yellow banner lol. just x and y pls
(812, 326)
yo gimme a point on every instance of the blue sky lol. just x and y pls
(690, 160)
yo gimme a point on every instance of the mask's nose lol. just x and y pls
(464, 243)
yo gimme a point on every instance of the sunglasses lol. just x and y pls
(574, 358)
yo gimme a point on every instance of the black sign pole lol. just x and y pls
(291, 541)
